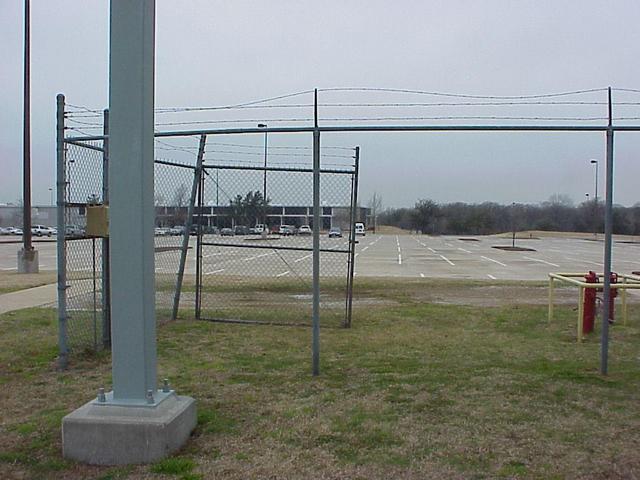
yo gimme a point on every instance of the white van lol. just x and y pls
(360, 229)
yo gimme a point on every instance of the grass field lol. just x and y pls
(13, 281)
(415, 389)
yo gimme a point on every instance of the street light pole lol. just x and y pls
(595, 162)
(27, 256)
(595, 201)
(264, 184)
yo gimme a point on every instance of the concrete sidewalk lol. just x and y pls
(30, 297)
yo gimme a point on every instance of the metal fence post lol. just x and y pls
(197, 174)
(608, 230)
(352, 240)
(316, 244)
(198, 297)
(61, 187)
(106, 273)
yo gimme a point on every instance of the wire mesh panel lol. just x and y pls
(85, 316)
(173, 183)
(87, 325)
(249, 275)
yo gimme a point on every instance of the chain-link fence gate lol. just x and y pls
(254, 244)
(210, 252)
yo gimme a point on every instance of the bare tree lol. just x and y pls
(425, 214)
(180, 199)
(375, 204)
(158, 199)
(17, 217)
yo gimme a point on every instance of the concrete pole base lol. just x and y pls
(102, 433)
(28, 261)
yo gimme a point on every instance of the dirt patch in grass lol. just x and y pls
(479, 293)
(414, 390)
(14, 281)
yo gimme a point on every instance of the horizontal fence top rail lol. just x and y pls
(383, 128)
(275, 169)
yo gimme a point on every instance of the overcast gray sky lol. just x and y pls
(226, 52)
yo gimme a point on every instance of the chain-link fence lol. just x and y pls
(254, 251)
(85, 185)
(85, 314)
(233, 239)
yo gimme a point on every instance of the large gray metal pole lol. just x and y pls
(26, 135)
(61, 187)
(315, 336)
(106, 284)
(131, 212)
(197, 174)
(608, 234)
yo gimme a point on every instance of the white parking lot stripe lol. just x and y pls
(257, 256)
(283, 274)
(302, 258)
(580, 260)
(494, 261)
(466, 251)
(447, 260)
(215, 271)
(491, 276)
(541, 261)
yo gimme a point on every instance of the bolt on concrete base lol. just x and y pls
(103, 432)
(28, 261)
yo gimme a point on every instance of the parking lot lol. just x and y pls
(413, 256)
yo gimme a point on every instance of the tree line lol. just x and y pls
(557, 214)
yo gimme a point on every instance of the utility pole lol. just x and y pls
(138, 421)
(595, 201)
(28, 256)
(264, 185)
(513, 224)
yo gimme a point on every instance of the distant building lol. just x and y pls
(222, 216)
(11, 215)
(167, 216)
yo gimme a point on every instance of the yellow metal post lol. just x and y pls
(623, 294)
(580, 312)
(551, 298)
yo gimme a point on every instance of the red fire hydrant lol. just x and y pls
(589, 310)
(612, 298)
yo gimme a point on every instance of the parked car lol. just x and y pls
(360, 229)
(287, 230)
(305, 230)
(15, 230)
(210, 229)
(5, 231)
(227, 232)
(335, 232)
(259, 228)
(241, 230)
(42, 231)
(177, 230)
(73, 231)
